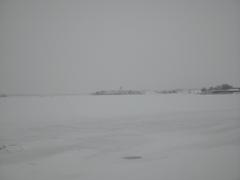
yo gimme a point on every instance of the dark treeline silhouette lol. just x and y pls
(220, 89)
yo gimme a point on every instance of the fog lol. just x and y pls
(53, 46)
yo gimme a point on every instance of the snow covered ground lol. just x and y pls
(141, 137)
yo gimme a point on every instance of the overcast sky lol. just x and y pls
(49, 46)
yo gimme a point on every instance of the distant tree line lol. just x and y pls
(119, 92)
(219, 88)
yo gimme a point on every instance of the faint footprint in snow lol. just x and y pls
(132, 157)
(11, 148)
(3, 147)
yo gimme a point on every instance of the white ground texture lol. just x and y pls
(141, 137)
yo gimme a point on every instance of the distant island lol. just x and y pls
(119, 92)
(219, 89)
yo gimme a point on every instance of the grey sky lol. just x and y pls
(51, 46)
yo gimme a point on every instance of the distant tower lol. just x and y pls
(120, 88)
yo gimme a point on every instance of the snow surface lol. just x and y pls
(141, 137)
